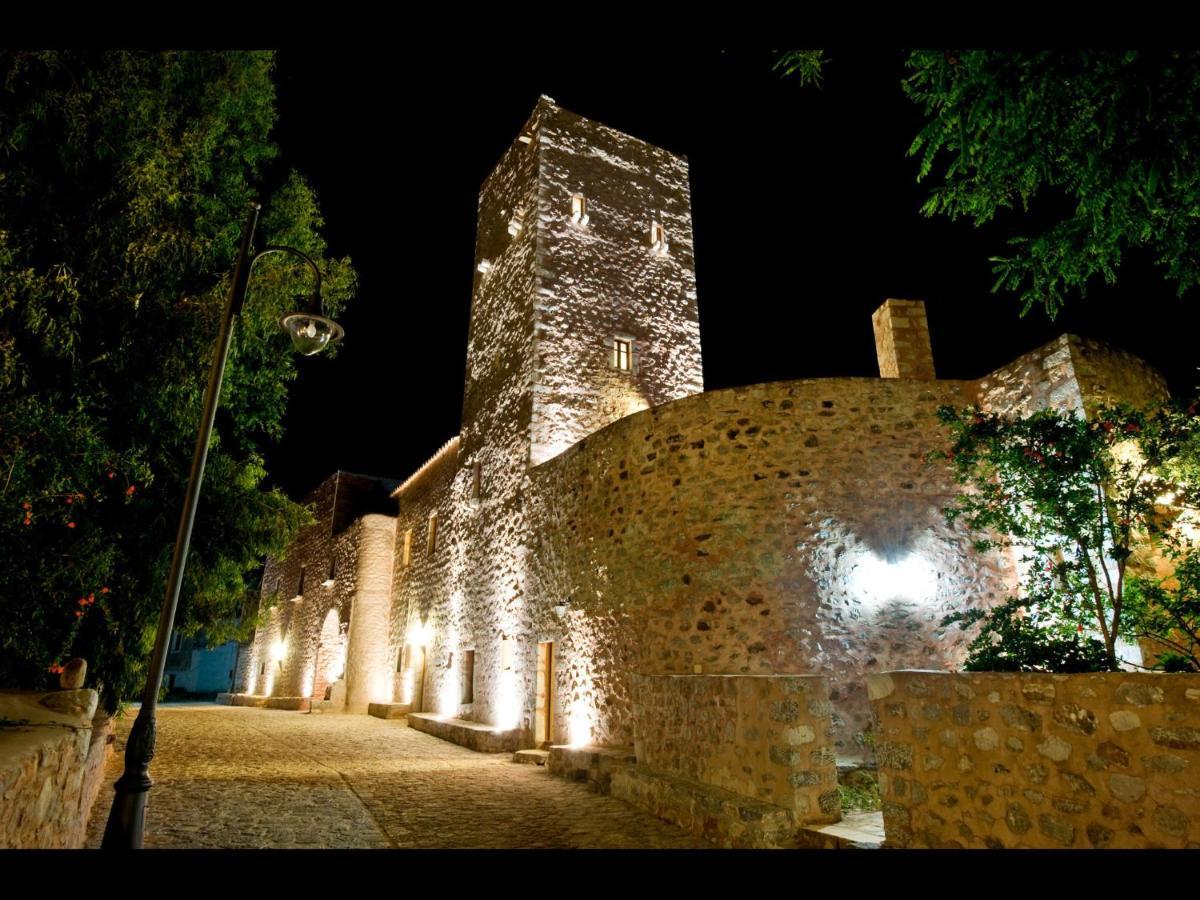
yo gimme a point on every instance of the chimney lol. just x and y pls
(902, 340)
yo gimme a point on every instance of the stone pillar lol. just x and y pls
(902, 340)
(368, 673)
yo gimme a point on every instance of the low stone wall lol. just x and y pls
(52, 759)
(1103, 760)
(767, 738)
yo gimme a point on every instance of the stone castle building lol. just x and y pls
(601, 516)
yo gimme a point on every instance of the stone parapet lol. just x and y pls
(998, 760)
(52, 758)
(767, 738)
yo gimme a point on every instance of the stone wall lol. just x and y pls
(1070, 373)
(785, 528)
(327, 552)
(989, 760)
(52, 759)
(767, 738)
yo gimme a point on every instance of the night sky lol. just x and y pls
(805, 212)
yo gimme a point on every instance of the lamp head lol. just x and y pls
(310, 331)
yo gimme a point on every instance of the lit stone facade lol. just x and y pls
(600, 515)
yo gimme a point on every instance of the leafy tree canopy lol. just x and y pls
(1101, 144)
(1101, 514)
(123, 183)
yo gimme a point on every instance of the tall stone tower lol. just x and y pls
(584, 306)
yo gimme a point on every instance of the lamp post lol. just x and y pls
(310, 332)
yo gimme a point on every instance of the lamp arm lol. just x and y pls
(273, 248)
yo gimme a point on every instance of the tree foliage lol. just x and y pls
(1102, 145)
(123, 183)
(1098, 512)
(806, 65)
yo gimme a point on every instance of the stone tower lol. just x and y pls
(584, 305)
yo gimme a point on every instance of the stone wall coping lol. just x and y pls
(41, 724)
(71, 709)
(776, 676)
(881, 684)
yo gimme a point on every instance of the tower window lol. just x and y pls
(517, 222)
(579, 213)
(658, 238)
(407, 554)
(622, 354)
(433, 523)
(476, 484)
(300, 586)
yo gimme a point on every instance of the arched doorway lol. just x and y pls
(331, 655)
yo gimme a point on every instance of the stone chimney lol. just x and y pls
(902, 340)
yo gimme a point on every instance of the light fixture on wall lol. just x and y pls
(560, 609)
(877, 580)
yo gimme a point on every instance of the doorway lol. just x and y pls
(417, 663)
(543, 719)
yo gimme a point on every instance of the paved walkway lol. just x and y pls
(237, 777)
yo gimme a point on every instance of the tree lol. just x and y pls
(122, 189)
(1100, 144)
(1095, 510)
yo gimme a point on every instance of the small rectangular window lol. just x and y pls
(579, 213)
(658, 238)
(622, 354)
(468, 676)
(406, 557)
(433, 523)
(477, 484)
(300, 586)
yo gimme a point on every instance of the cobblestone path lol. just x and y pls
(237, 777)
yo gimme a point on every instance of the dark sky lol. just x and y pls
(805, 210)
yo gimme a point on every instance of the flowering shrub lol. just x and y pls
(1101, 513)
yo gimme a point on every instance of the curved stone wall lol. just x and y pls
(793, 527)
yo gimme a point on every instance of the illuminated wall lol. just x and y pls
(790, 528)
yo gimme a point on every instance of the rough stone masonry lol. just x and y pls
(599, 515)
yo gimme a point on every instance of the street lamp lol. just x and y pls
(311, 332)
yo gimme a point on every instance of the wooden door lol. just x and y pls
(543, 728)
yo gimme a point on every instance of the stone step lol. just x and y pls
(856, 831)
(389, 710)
(472, 735)
(531, 757)
(591, 765)
(721, 817)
